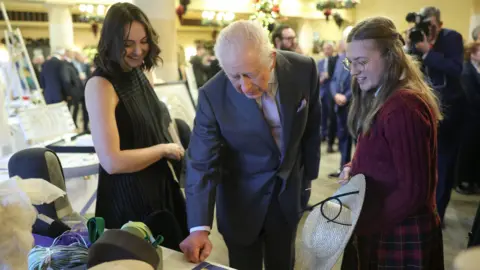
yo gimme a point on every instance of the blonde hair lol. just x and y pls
(401, 72)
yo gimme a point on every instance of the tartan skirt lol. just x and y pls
(416, 243)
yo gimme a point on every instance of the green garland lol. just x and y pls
(266, 12)
(335, 4)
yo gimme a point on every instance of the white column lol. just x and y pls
(60, 26)
(305, 37)
(162, 16)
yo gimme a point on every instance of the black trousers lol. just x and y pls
(275, 246)
(449, 137)
(468, 153)
(76, 107)
(332, 124)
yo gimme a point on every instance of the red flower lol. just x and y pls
(180, 11)
(327, 13)
(276, 8)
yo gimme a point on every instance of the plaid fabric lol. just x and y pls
(416, 243)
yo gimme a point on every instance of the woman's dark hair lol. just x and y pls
(111, 47)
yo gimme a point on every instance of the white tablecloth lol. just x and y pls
(175, 260)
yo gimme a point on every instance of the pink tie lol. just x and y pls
(270, 111)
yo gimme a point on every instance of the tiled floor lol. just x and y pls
(459, 216)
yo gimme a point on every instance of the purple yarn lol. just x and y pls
(66, 239)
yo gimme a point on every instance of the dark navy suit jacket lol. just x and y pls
(54, 81)
(325, 87)
(443, 66)
(232, 159)
(341, 80)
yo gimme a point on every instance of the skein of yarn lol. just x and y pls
(58, 256)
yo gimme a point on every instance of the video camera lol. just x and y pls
(422, 26)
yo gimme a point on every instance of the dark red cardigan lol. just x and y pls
(399, 159)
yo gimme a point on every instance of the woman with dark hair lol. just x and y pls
(130, 125)
(394, 115)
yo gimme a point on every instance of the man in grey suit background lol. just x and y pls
(254, 149)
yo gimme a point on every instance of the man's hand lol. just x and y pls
(196, 247)
(423, 46)
(340, 99)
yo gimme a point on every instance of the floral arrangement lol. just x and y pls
(337, 4)
(266, 12)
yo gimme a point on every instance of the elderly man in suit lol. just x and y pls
(341, 91)
(326, 67)
(254, 150)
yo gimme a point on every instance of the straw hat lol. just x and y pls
(330, 225)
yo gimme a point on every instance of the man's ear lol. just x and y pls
(277, 41)
(274, 57)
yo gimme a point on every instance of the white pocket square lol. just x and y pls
(303, 104)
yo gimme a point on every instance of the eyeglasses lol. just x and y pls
(289, 38)
(336, 198)
(358, 65)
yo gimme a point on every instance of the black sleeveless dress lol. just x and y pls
(142, 121)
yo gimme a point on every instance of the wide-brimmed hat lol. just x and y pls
(330, 225)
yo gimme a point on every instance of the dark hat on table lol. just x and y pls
(118, 245)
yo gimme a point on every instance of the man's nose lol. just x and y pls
(246, 84)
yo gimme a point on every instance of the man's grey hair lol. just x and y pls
(431, 12)
(476, 33)
(328, 43)
(241, 36)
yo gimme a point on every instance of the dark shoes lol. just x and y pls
(467, 188)
(334, 174)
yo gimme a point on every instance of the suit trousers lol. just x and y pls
(449, 136)
(329, 121)
(344, 137)
(274, 247)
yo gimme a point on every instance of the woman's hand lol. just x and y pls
(172, 151)
(344, 175)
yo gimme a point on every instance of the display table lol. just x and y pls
(175, 260)
(74, 164)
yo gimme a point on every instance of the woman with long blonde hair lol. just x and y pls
(394, 116)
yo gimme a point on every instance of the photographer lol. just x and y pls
(441, 53)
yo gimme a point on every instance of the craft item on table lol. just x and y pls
(330, 225)
(143, 231)
(208, 266)
(18, 216)
(96, 227)
(59, 256)
(165, 224)
(116, 245)
(55, 227)
(43, 241)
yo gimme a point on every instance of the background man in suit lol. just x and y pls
(326, 67)
(442, 57)
(341, 91)
(54, 80)
(254, 149)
